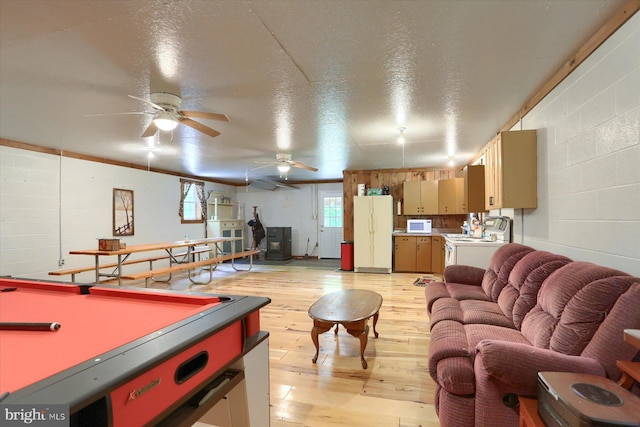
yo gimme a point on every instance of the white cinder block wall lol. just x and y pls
(589, 160)
(50, 205)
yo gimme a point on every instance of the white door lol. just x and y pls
(330, 217)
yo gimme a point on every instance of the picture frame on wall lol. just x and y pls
(123, 224)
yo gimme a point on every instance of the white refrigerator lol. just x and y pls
(372, 234)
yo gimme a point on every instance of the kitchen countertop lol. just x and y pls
(434, 232)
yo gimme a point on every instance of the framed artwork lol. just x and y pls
(122, 212)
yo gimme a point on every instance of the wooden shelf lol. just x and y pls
(529, 413)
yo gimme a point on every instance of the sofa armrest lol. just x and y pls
(518, 364)
(464, 274)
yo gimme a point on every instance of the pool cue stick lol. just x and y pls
(30, 326)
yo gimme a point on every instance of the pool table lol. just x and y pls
(121, 357)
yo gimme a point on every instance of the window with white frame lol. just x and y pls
(192, 201)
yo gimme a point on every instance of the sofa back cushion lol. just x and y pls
(500, 266)
(567, 311)
(585, 313)
(520, 294)
(608, 345)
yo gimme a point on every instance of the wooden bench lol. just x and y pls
(150, 260)
(150, 274)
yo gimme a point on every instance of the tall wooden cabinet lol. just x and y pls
(423, 253)
(511, 170)
(473, 191)
(420, 197)
(437, 254)
(451, 196)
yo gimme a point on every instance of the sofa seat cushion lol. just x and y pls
(437, 290)
(433, 292)
(461, 292)
(452, 350)
(464, 282)
(469, 311)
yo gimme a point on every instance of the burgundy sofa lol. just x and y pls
(493, 330)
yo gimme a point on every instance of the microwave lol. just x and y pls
(419, 226)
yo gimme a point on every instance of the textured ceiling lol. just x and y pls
(328, 81)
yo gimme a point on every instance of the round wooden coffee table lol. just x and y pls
(350, 308)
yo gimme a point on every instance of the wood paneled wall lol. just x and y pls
(394, 178)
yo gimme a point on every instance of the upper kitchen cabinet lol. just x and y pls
(451, 196)
(511, 170)
(420, 197)
(473, 191)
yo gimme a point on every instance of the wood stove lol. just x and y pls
(278, 243)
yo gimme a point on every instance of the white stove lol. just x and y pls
(461, 249)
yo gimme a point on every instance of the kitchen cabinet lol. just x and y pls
(511, 170)
(437, 254)
(473, 188)
(423, 254)
(420, 197)
(451, 196)
(412, 254)
(405, 254)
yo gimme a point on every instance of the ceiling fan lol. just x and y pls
(284, 163)
(167, 115)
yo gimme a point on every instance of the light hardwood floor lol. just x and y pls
(395, 390)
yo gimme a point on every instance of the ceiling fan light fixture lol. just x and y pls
(165, 121)
(284, 168)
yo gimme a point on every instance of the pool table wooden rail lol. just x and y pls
(95, 385)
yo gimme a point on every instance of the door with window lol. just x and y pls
(330, 219)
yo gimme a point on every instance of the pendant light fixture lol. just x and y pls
(401, 137)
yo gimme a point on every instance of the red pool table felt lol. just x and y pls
(91, 325)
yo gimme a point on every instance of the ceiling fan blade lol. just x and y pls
(303, 166)
(156, 106)
(151, 130)
(263, 166)
(204, 115)
(200, 127)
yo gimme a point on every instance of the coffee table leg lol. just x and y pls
(360, 330)
(318, 328)
(375, 321)
(364, 336)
